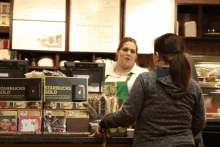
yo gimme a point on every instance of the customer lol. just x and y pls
(166, 103)
(124, 71)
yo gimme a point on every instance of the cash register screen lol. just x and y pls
(94, 78)
(95, 72)
(13, 69)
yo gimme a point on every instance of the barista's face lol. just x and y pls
(5, 124)
(127, 55)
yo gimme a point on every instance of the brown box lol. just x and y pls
(77, 121)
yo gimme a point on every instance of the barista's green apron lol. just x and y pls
(122, 88)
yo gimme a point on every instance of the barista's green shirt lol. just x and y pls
(124, 82)
(122, 90)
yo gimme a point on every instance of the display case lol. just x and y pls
(208, 71)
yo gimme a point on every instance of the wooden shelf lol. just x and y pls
(41, 67)
(200, 38)
(4, 29)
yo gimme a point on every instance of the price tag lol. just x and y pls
(23, 113)
(70, 113)
(49, 113)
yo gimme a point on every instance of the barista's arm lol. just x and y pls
(130, 109)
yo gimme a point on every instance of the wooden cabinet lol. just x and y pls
(205, 14)
(198, 1)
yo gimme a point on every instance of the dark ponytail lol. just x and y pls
(180, 71)
(171, 48)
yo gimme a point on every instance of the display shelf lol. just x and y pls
(42, 67)
(4, 29)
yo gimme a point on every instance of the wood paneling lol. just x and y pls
(4, 29)
(201, 47)
(199, 1)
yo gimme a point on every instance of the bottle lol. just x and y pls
(33, 62)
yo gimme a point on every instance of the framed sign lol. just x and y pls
(39, 25)
(58, 89)
(94, 25)
(147, 19)
(20, 89)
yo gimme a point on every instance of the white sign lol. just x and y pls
(50, 10)
(147, 19)
(37, 35)
(94, 25)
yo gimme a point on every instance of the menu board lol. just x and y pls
(147, 19)
(51, 10)
(39, 25)
(37, 35)
(94, 25)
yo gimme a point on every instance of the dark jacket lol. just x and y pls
(165, 115)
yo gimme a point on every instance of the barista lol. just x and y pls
(124, 71)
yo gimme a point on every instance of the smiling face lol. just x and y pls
(127, 55)
(5, 124)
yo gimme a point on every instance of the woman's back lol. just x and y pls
(168, 111)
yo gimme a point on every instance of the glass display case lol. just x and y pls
(208, 71)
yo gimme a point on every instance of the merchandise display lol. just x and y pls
(4, 104)
(65, 89)
(66, 105)
(5, 14)
(29, 121)
(19, 104)
(8, 121)
(77, 121)
(54, 121)
(50, 105)
(102, 104)
(29, 124)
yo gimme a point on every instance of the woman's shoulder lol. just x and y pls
(194, 86)
(148, 75)
(140, 70)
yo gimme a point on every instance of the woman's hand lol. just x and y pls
(98, 133)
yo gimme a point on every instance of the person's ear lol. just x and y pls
(117, 52)
(157, 56)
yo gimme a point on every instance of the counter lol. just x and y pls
(44, 140)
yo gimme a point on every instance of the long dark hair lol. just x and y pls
(171, 48)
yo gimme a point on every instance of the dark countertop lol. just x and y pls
(63, 139)
(39, 139)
